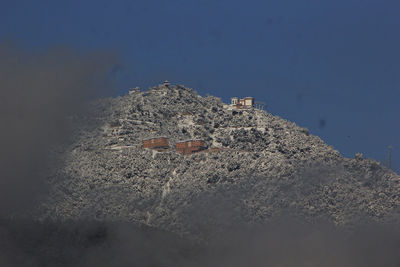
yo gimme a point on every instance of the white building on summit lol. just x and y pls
(247, 102)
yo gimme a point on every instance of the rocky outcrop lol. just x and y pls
(256, 166)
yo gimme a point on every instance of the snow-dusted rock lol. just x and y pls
(256, 166)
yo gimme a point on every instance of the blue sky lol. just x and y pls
(330, 66)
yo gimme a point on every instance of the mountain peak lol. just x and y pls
(151, 155)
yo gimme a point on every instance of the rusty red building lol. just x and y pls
(191, 146)
(159, 143)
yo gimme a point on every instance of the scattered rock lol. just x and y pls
(263, 162)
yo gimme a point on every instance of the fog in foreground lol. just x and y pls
(39, 90)
(282, 243)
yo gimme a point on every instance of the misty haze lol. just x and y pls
(199, 133)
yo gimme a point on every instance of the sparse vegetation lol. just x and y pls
(261, 161)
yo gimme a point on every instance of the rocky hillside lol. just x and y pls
(256, 166)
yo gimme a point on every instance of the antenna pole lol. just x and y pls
(389, 159)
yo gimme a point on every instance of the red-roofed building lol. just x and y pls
(188, 147)
(159, 143)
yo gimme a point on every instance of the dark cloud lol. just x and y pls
(91, 243)
(39, 90)
(283, 242)
(291, 242)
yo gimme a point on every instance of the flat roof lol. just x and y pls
(235, 97)
(188, 140)
(155, 137)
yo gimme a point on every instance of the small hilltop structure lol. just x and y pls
(246, 103)
(190, 146)
(159, 143)
(240, 103)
